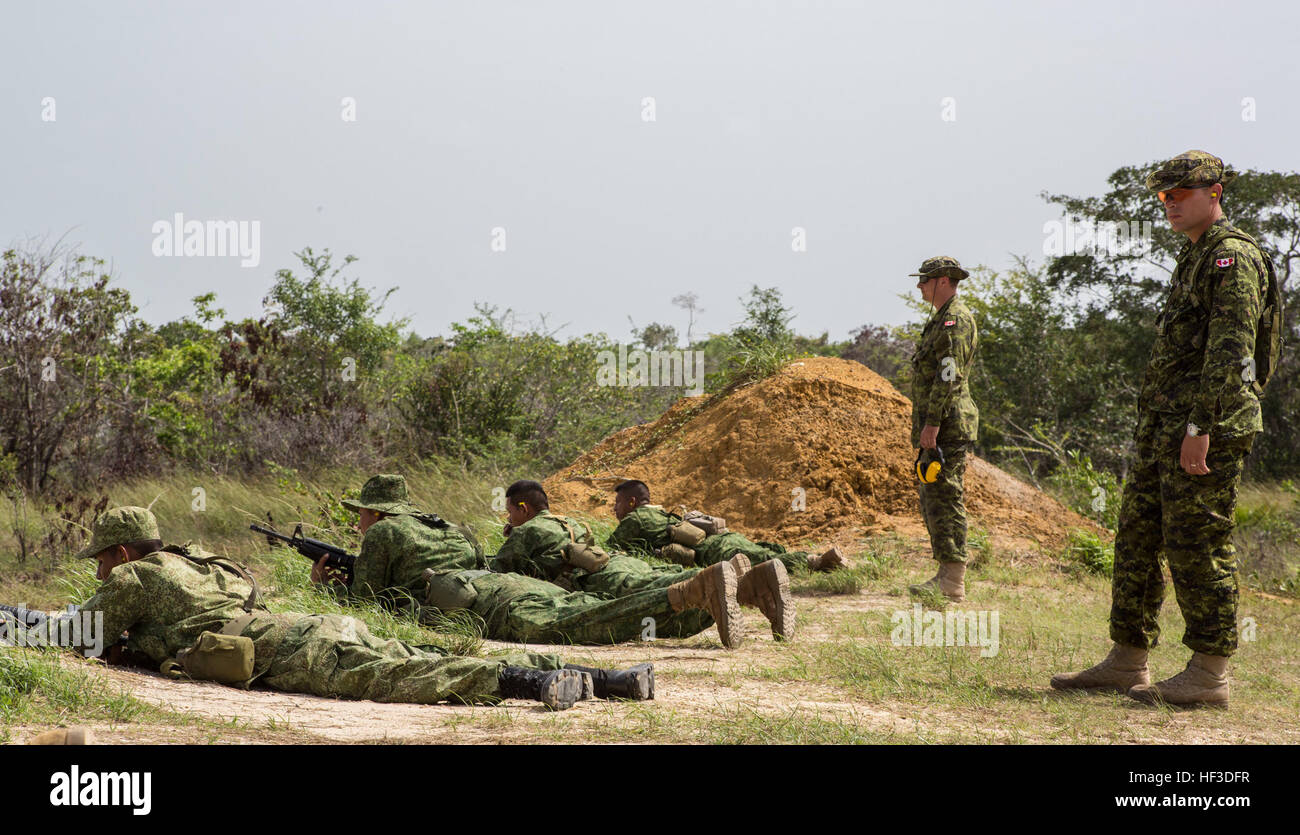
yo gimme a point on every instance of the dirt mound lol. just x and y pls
(819, 452)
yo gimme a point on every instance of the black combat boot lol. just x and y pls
(557, 689)
(635, 683)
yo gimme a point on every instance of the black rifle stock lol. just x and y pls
(314, 549)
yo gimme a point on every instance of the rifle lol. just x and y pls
(27, 617)
(36, 619)
(313, 549)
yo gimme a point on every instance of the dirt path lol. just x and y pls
(699, 685)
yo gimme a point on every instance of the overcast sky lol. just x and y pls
(530, 117)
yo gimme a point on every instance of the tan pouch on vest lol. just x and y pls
(449, 591)
(684, 533)
(227, 659)
(589, 557)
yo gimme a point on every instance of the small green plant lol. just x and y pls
(979, 546)
(1092, 493)
(1090, 552)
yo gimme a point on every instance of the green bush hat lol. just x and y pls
(1190, 169)
(383, 493)
(941, 265)
(120, 526)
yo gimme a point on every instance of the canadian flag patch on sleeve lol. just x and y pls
(1224, 262)
(950, 323)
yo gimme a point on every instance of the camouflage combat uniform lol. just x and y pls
(532, 611)
(644, 530)
(441, 570)
(165, 600)
(399, 548)
(395, 552)
(536, 549)
(941, 397)
(1199, 373)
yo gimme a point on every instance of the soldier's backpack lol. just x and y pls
(1268, 333)
(711, 525)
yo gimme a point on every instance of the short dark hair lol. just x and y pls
(142, 547)
(636, 489)
(531, 492)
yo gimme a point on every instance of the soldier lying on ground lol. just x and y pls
(403, 561)
(166, 599)
(648, 528)
(563, 551)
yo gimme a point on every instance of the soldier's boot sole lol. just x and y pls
(741, 563)
(767, 588)
(562, 688)
(713, 589)
(832, 560)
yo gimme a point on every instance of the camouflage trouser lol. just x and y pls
(726, 545)
(943, 505)
(528, 610)
(1189, 518)
(625, 575)
(337, 656)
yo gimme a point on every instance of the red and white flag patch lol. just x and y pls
(1224, 262)
(950, 323)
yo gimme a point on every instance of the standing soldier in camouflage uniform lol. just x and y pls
(539, 544)
(167, 598)
(944, 419)
(1198, 413)
(644, 528)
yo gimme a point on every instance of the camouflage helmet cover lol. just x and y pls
(1190, 169)
(120, 526)
(941, 265)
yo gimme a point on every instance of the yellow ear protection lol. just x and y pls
(929, 462)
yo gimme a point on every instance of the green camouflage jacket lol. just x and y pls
(643, 530)
(536, 548)
(1202, 363)
(940, 376)
(165, 600)
(395, 552)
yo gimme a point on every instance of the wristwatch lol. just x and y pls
(1193, 430)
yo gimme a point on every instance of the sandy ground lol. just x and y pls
(697, 681)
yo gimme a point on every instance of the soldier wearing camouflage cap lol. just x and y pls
(945, 421)
(165, 597)
(1198, 414)
(400, 542)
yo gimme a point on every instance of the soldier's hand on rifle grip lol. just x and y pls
(320, 573)
(1192, 455)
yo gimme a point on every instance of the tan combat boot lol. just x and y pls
(679, 554)
(767, 588)
(829, 561)
(950, 581)
(1123, 667)
(741, 563)
(1203, 682)
(714, 590)
(64, 736)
